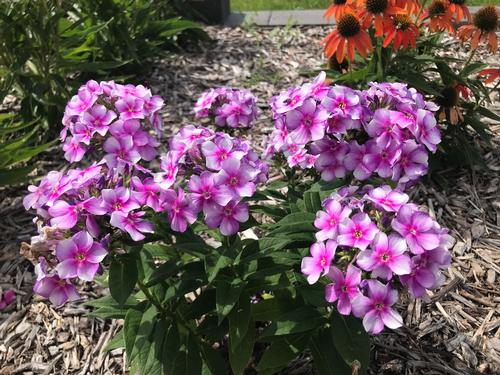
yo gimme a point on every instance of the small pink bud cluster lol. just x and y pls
(384, 130)
(220, 171)
(227, 107)
(112, 119)
(376, 235)
(7, 298)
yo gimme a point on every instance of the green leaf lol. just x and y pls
(239, 356)
(162, 273)
(123, 276)
(118, 341)
(136, 329)
(327, 360)
(14, 176)
(312, 201)
(227, 294)
(170, 348)
(272, 308)
(280, 353)
(239, 319)
(214, 263)
(486, 112)
(300, 320)
(213, 360)
(351, 340)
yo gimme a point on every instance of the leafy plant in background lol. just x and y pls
(402, 41)
(214, 268)
(48, 48)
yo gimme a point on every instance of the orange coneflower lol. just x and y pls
(402, 30)
(459, 9)
(347, 34)
(490, 74)
(448, 101)
(483, 26)
(439, 17)
(338, 8)
(411, 6)
(378, 10)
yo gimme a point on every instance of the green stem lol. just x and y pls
(380, 66)
(151, 298)
(472, 53)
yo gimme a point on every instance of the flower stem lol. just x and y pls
(472, 53)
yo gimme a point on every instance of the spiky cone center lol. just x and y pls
(449, 97)
(437, 8)
(486, 19)
(348, 25)
(376, 6)
(339, 2)
(458, 2)
(402, 21)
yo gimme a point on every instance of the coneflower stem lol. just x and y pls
(380, 66)
(472, 53)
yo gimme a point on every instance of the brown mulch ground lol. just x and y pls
(457, 333)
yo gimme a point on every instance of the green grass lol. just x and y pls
(237, 5)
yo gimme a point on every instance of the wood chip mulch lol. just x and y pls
(457, 333)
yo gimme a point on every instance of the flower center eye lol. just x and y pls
(339, 2)
(228, 211)
(62, 282)
(402, 21)
(437, 8)
(376, 6)
(223, 155)
(207, 195)
(384, 257)
(80, 256)
(486, 19)
(343, 288)
(358, 233)
(233, 181)
(413, 231)
(322, 262)
(348, 25)
(379, 306)
(333, 222)
(342, 105)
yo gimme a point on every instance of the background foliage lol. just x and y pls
(48, 48)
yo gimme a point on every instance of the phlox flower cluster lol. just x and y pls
(220, 171)
(227, 107)
(386, 130)
(112, 119)
(372, 241)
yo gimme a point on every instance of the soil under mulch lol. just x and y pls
(457, 333)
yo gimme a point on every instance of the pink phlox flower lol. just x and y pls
(386, 257)
(355, 161)
(386, 198)
(343, 288)
(382, 160)
(385, 127)
(146, 192)
(58, 291)
(227, 217)
(204, 103)
(120, 151)
(328, 221)
(290, 99)
(307, 122)
(179, 208)
(98, 119)
(130, 107)
(128, 90)
(412, 163)
(359, 231)
(428, 129)
(317, 87)
(342, 101)
(153, 104)
(7, 298)
(237, 177)
(417, 228)
(170, 168)
(73, 149)
(57, 185)
(218, 151)
(132, 223)
(320, 260)
(80, 102)
(118, 199)
(79, 256)
(204, 191)
(375, 309)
